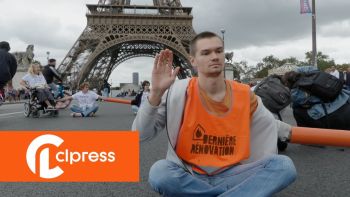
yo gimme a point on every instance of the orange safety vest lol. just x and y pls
(212, 143)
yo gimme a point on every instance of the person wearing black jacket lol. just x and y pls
(140, 97)
(50, 73)
(106, 88)
(347, 79)
(8, 65)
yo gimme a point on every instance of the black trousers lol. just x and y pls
(43, 95)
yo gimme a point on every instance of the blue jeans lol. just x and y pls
(54, 89)
(134, 109)
(105, 92)
(85, 112)
(261, 178)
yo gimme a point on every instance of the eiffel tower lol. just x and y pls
(117, 31)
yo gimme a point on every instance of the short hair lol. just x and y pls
(200, 36)
(5, 45)
(83, 85)
(52, 60)
(144, 83)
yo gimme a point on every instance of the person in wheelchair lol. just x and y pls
(35, 81)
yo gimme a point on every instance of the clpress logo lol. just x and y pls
(70, 156)
(44, 170)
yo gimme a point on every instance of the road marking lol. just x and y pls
(11, 113)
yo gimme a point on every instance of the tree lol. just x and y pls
(262, 73)
(271, 62)
(291, 60)
(323, 61)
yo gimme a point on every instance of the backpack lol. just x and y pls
(274, 95)
(320, 84)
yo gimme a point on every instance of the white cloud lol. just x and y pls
(123, 73)
(336, 29)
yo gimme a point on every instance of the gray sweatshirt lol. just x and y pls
(151, 120)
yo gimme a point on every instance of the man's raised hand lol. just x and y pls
(162, 76)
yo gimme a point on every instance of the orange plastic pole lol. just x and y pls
(115, 100)
(327, 137)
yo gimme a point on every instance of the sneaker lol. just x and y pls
(50, 107)
(76, 114)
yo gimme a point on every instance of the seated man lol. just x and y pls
(222, 140)
(35, 79)
(86, 100)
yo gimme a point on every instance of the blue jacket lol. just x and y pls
(315, 110)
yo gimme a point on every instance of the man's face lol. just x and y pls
(85, 89)
(52, 64)
(146, 87)
(209, 58)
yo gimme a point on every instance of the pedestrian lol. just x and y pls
(334, 72)
(50, 73)
(86, 98)
(140, 97)
(8, 67)
(347, 78)
(222, 140)
(106, 88)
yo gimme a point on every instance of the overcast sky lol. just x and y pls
(254, 28)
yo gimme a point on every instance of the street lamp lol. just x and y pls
(223, 40)
(223, 36)
(48, 55)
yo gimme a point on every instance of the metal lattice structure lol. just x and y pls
(117, 31)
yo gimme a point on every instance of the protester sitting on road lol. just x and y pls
(86, 100)
(8, 67)
(35, 79)
(222, 140)
(311, 111)
(140, 97)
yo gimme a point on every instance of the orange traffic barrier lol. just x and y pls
(115, 100)
(317, 136)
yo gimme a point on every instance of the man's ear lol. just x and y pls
(192, 61)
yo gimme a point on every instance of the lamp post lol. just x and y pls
(223, 40)
(48, 55)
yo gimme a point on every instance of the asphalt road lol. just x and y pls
(321, 171)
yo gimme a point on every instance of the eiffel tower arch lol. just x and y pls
(117, 31)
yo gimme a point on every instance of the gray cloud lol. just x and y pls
(44, 32)
(257, 23)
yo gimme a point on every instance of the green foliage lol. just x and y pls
(270, 62)
(323, 61)
(262, 73)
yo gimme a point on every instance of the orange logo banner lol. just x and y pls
(69, 156)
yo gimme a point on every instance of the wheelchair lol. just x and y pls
(34, 107)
